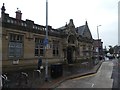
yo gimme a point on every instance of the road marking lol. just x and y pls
(93, 84)
(83, 77)
(98, 71)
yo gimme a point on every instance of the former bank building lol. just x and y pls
(23, 40)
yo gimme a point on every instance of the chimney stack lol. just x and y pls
(18, 14)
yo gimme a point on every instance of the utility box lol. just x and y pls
(56, 70)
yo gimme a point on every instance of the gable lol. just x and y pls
(87, 33)
(84, 31)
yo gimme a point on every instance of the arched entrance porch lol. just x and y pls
(70, 54)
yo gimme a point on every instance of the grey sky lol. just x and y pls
(96, 12)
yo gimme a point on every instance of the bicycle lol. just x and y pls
(22, 79)
(36, 78)
(5, 81)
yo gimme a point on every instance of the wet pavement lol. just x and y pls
(101, 79)
(116, 74)
(35, 81)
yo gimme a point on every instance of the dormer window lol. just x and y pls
(42, 29)
(22, 24)
(33, 27)
(8, 20)
(38, 28)
(12, 21)
(25, 24)
(15, 22)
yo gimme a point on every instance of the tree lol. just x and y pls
(105, 51)
(111, 49)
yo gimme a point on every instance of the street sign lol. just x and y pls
(45, 42)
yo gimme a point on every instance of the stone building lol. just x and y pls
(98, 48)
(24, 41)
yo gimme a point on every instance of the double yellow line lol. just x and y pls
(84, 77)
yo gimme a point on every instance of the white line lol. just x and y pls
(93, 84)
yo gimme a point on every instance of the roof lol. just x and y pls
(81, 30)
(62, 28)
(84, 31)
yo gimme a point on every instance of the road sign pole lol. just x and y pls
(46, 67)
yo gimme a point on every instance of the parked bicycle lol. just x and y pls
(36, 77)
(5, 81)
(22, 79)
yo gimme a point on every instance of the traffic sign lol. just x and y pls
(45, 42)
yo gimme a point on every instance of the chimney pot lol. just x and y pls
(18, 14)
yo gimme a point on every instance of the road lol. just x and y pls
(102, 79)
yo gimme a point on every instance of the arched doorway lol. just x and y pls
(70, 50)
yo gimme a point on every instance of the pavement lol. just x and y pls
(116, 73)
(69, 72)
(101, 79)
(76, 72)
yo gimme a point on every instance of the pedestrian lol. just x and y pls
(39, 63)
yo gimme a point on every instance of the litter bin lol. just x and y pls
(56, 70)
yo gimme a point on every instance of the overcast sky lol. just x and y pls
(96, 12)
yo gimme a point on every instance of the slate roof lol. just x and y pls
(83, 30)
(62, 28)
(80, 30)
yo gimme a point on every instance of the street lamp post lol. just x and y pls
(98, 41)
(46, 40)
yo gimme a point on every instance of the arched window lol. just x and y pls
(71, 40)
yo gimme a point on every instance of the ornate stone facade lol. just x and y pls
(23, 40)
